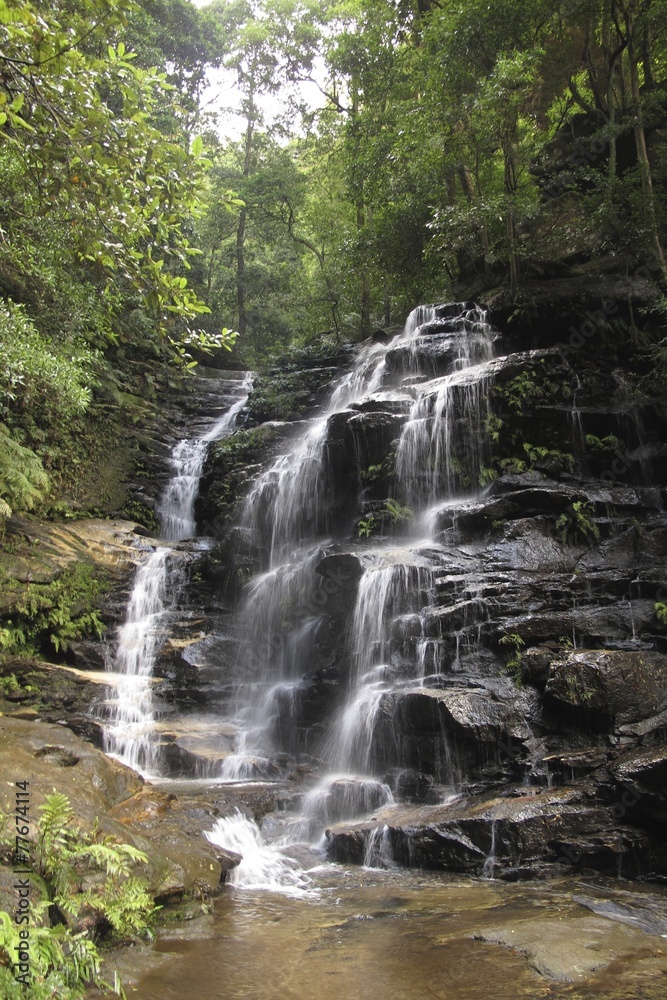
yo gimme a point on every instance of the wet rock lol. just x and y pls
(473, 714)
(198, 748)
(567, 949)
(386, 402)
(641, 792)
(513, 836)
(39, 551)
(431, 355)
(535, 663)
(646, 766)
(99, 788)
(575, 763)
(640, 911)
(609, 687)
(410, 785)
(344, 567)
(367, 435)
(174, 828)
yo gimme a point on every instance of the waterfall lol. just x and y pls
(176, 506)
(441, 449)
(378, 852)
(262, 865)
(390, 652)
(129, 732)
(288, 497)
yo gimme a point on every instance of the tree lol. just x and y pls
(267, 47)
(81, 127)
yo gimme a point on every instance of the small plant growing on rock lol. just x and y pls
(575, 523)
(8, 685)
(397, 511)
(392, 510)
(661, 612)
(513, 663)
(603, 446)
(372, 473)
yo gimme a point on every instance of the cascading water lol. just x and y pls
(262, 866)
(439, 454)
(176, 506)
(129, 733)
(288, 498)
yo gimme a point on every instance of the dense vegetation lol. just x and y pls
(85, 890)
(455, 148)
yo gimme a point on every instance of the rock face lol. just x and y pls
(610, 687)
(474, 598)
(443, 589)
(167, 829)
(516, 836)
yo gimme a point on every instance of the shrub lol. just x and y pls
(81, 873)
(56, 612)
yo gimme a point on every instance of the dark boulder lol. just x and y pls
(610, 687)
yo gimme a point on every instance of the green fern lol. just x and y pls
(64, 963)
(23, 480)
(63, 854)
(59, 612)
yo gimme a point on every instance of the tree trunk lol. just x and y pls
(240, 232)
(240, 274)
(642, 151)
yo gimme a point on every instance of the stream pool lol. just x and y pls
(360, 933)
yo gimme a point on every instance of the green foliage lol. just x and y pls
(63, 856)
(367, 525)
(81, 120)
(487, 475)
(9, 684)
(661, 612)
(519, 391)
(576, 524)
(398, 512)
(56, 613)
(62, 964)
(23, 480)
(372, 473)
(535, 456)
(581, 686)
(538, 453)
(41, 374)
(89, 881)
(513, 662)
(391, 512)
(492, 426)
(603, 446)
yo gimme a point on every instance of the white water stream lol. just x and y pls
(129, 732)
(263, 866)
(438, 456)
